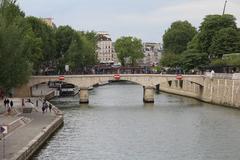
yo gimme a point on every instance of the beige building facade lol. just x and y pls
(105, 49)
(49, 22)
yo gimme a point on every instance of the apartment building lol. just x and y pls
(105, 48)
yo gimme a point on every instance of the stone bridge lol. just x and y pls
(148, 81)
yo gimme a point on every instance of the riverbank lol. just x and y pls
(220, 91)
(27, 131)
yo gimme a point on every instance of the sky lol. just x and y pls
(144, 19)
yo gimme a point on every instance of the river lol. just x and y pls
(117, 125)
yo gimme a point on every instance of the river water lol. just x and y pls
(117, 125)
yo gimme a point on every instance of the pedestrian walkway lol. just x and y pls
(21, 136)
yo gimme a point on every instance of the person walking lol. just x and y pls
(43, 109)
(50, 107)
(11, 104)
(5, 102)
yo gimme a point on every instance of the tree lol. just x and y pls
(170, 60)
(47, 36)
(177, 37)
(82, 52)
(10, 11)
(90, 48)
(225, 41)
(191, 59)
(129, 48)
(15, 66)
(64, 36)
(210, 26)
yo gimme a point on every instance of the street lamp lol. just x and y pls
(225, 5)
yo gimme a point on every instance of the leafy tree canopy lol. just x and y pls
(15, 65)
(129, 49)
(47, 36)
(209, 28)
(64, 37)
(177, 37)
(82, 51)
(225, 41)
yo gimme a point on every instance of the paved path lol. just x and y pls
(20, 137)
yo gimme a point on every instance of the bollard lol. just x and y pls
(36, 103)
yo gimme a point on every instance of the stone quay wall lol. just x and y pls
(220, 89)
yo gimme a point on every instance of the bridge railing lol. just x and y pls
(223, 75)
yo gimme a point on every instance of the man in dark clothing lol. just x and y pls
(5, 102)
(50, 107)
(11, 103)
(43, 109)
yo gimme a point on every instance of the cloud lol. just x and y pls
(194, 11)
(145, 19)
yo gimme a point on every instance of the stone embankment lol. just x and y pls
(221, 89)
(27, 132)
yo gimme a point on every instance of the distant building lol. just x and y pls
(105, 48)
(152, 54)
(49, 22)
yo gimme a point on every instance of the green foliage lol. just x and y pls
(218, 62)
(129, 48)
(64, 36)
(15, 64)
(191, 59)
(170, 60)
(188, 60)
(177, 37)
(225, 41)
(209, 28)
(82, 51)
(10, 11)
(232, 59)
(47, 36)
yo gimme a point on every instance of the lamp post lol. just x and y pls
(225, 5)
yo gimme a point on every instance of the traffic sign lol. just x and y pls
(179, 77)
(117, 76)
(61, 78)
(3, 129)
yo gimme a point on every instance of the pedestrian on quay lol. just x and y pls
(5, 102)
(43, 109)
(11, 104)
(46, 106)
(50, 107)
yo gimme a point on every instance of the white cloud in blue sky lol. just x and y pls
(145, 19)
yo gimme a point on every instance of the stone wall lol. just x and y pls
(220, 91)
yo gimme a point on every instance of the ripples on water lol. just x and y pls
(117, 125)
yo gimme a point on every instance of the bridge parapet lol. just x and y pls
(141, 79)
(85, 81)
